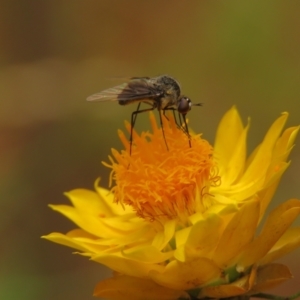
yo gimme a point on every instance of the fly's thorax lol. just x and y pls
(169, 85)
(170, 91)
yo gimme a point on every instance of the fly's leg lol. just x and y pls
(133, 120)
(162, 127)
(186, 129)
(181, 124)
(184, 126)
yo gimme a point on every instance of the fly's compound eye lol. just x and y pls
(184, 105)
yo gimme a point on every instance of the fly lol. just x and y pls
(162, 92)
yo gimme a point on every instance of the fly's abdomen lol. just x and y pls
(124, 102)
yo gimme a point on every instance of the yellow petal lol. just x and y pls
(265, 165)
(287, 243)
(271, 276)
(277, 223)
(83, 241)
(162, 238)
(62, 239)
(125, 287)
(187, 275)
(89, 202)
(278, 166)
(260, 162)
(236, 288)
(236, 164)
(224, 207)
(203, 237)
(147, 254)
(241, 190)
(266, 194)
(237, 234)
(228, 134)
(108, 198)
(181, 237)
(126, 266)
(92, 222)
(285, 143)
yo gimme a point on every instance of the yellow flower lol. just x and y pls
(183, 223)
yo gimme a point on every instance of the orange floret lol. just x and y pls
(153, 182)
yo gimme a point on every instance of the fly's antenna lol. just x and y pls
(197, 104)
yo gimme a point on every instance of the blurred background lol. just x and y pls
(54, 54)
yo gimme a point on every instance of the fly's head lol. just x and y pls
(185, 104)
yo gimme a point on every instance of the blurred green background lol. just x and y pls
(54, 54)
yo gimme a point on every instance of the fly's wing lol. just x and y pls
(110, 94)
(137, 89)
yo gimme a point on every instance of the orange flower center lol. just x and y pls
(161, 183)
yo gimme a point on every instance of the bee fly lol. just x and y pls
(162, 92)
